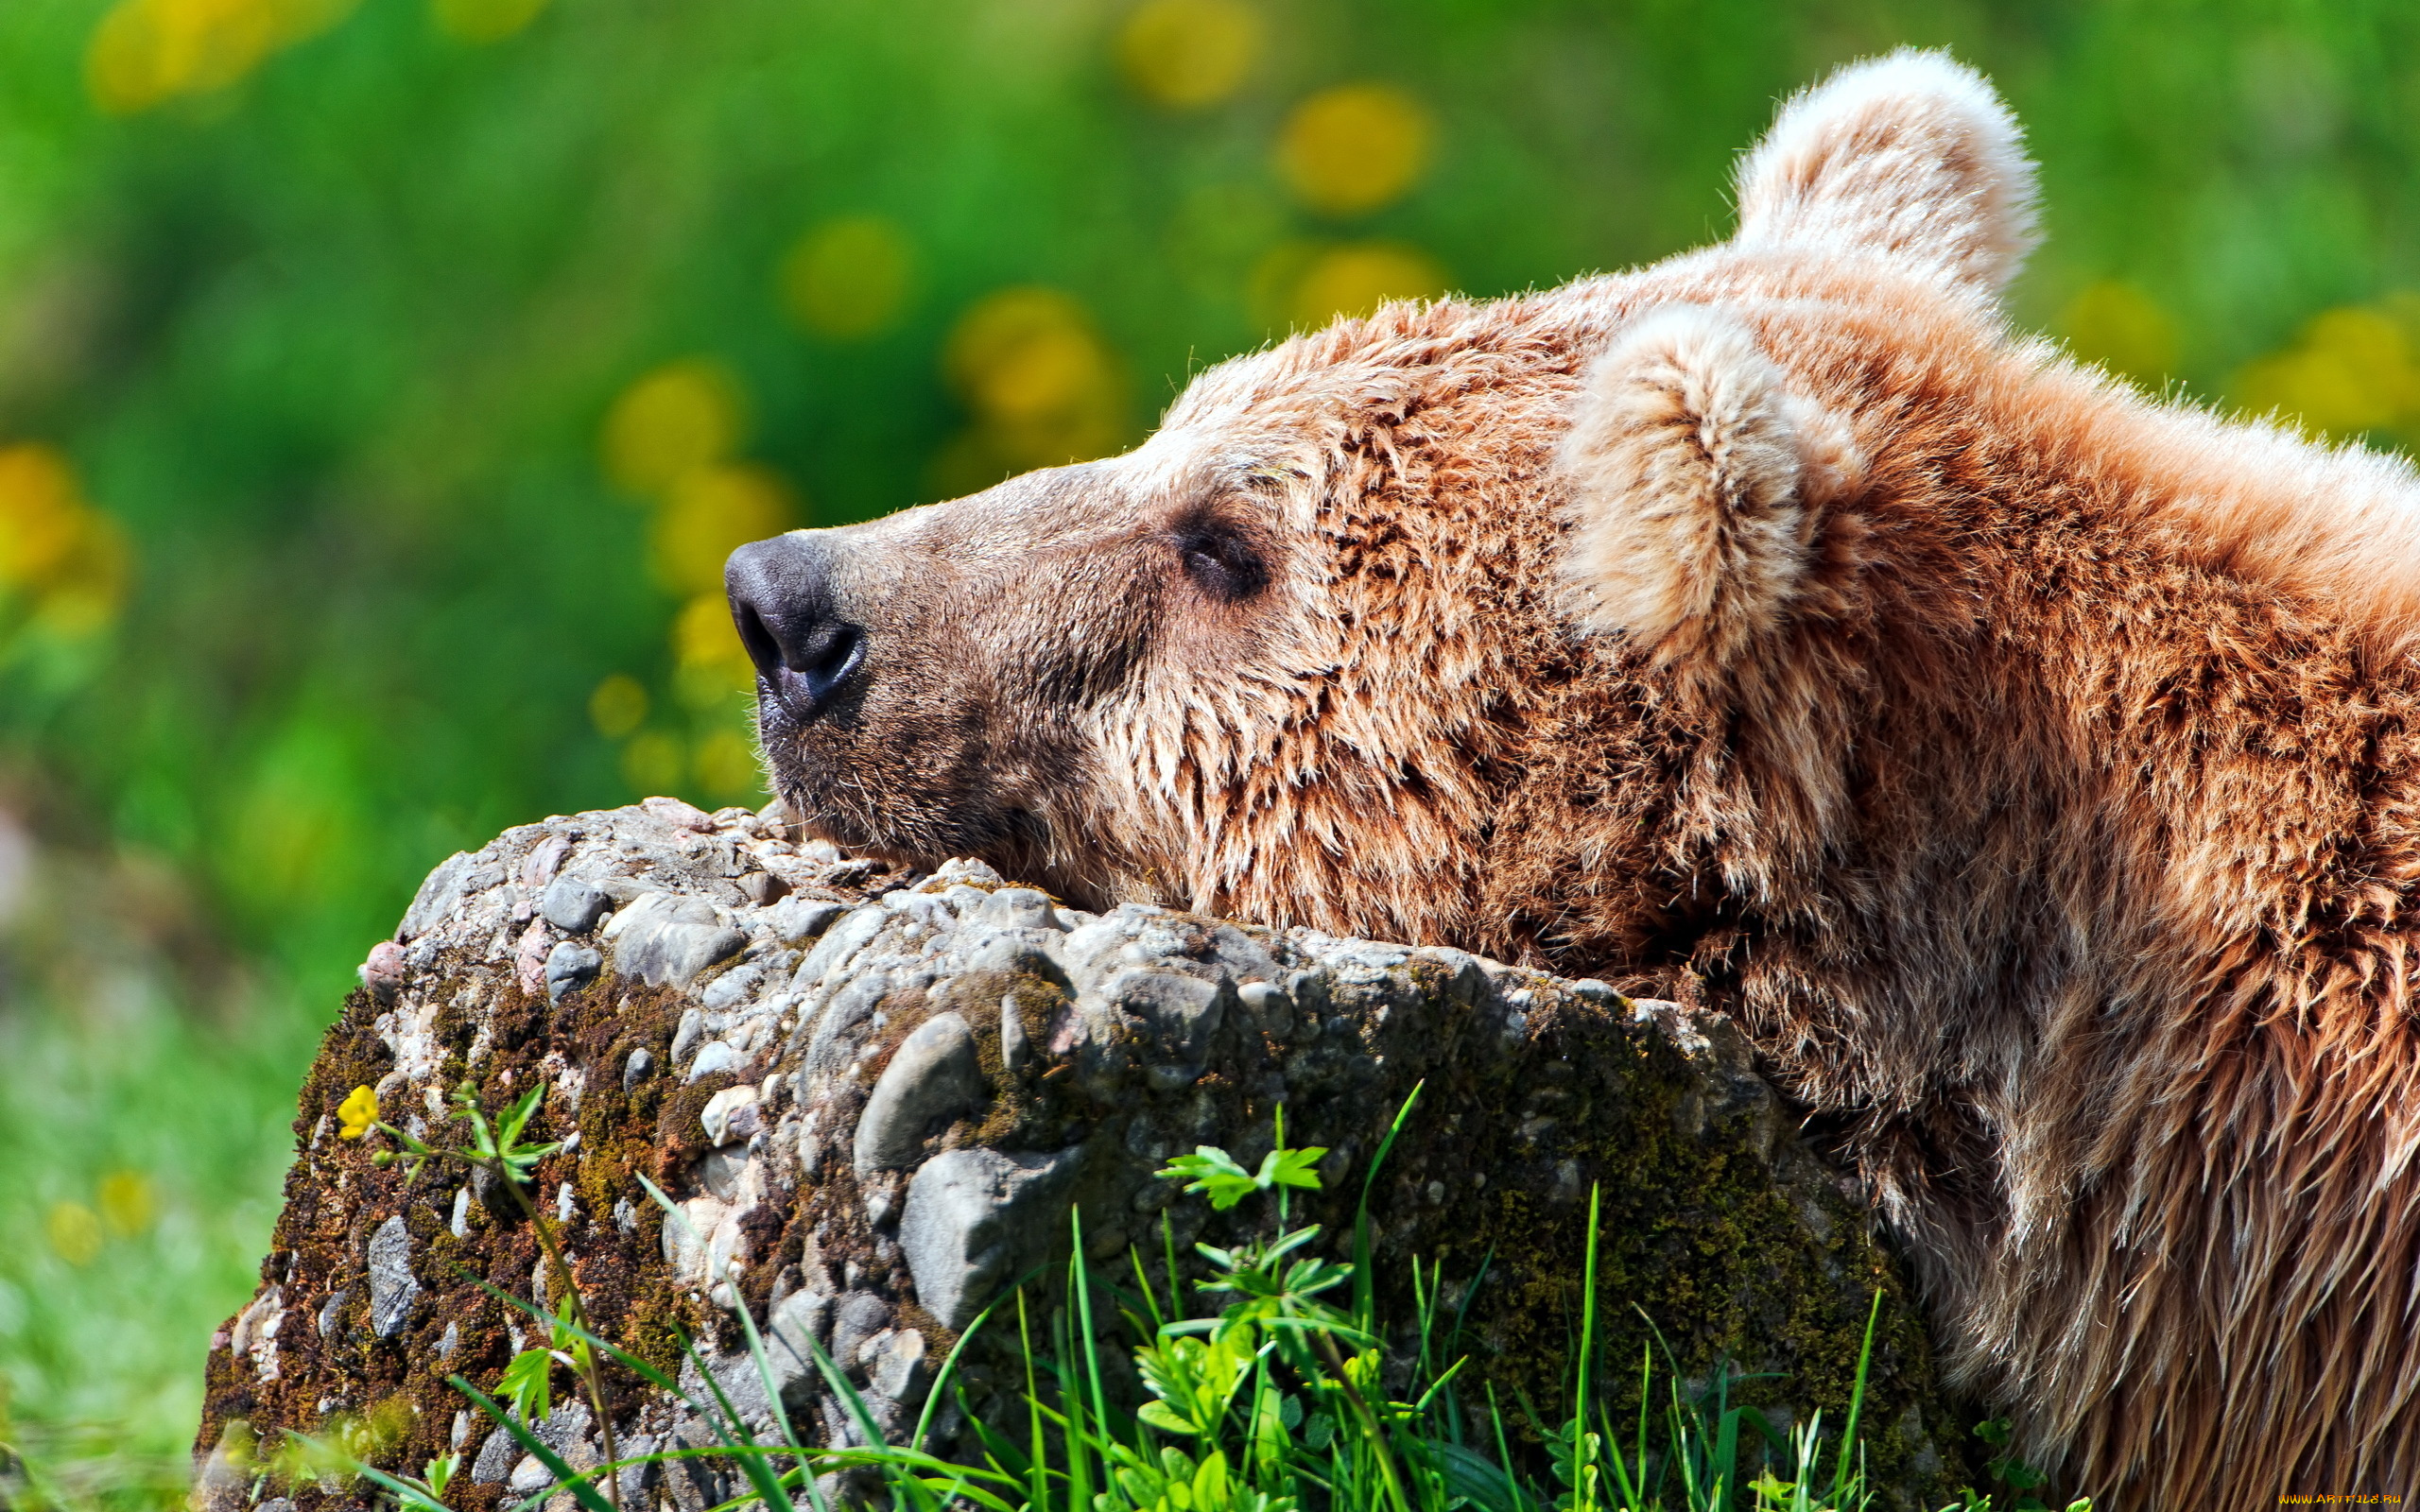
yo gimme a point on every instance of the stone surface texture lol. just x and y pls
(876, 1094)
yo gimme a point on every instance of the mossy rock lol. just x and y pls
(1093, 1048)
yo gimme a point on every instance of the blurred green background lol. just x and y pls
(382, 382)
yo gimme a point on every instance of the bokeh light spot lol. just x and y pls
(2119, 327)
(680, 417)
(1356, 279)
(1354, 148)
(710, 512)
(727, 765)
(653, 762)
(74, 1231)
(483, 21)
(2350, 371)
(126, 1203)
(1185, 54)
(1043, 388)
(146, 52)
(848, 278)
(618, 705)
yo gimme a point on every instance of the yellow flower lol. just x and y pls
(1190, 53)
(358, 1111)
(1354, 148)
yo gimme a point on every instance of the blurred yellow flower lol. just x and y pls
(484, 20)
(126, 1203)
(42, 514)
(727, 765)
(711, 663)
(848, 278)
(2115, 325)
(682, 416)
(145, 52)
(1357, 278)
(358, 1110)
(55, 547)
(709, 512)
(618, 705)
(1043, 386)
(1190, 53)
(75, 1232)
(653, 762)
(2350, 371)
(1354, 148)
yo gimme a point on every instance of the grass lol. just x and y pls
(1275, 1390)
(140, 1157)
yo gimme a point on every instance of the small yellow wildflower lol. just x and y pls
(358, 1111)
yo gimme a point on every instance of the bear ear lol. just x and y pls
(1690, 471)
(1910, 157)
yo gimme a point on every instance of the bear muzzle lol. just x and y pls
(783, 600)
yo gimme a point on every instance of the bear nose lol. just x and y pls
(782, 599)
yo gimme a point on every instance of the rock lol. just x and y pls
(731, 1114)
(572, 905)
(973, 1215)
(570, 965)
(935, 1076)
(857, 1316)
(383, 972)
(667, 940)
(796, 919)
(949, 1069)
(763, 889)
(679, 815)
(393, 1290)
(498, 1454)
(733, 988)
(437, 897)
(530, 1476)
(715, 1057)
(899, 1370)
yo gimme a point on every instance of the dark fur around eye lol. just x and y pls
(1222, 560)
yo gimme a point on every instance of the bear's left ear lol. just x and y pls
(1910, 157)
(1690, 470)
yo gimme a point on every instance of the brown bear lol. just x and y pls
(2032, 765)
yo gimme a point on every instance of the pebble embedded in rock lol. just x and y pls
(971, 1216)
(733, 988)
(393, 1290)
(530, 1476)
(634, 1069)
(572, 905)
(1014, 1043)
(858, 1316)
(666, 939)
(731, 1114)
(933, 1077)
(569, 967)
(383, 972)
(899, 1369)
(796, 918)
(693, 1023)
(715, 1057)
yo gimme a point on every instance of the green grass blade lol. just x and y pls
(567, 1478)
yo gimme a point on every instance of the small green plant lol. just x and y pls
(505, 1152)
(1275, 1397)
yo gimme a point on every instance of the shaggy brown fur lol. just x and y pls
(2030, 764)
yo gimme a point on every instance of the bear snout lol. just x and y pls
(784, 603)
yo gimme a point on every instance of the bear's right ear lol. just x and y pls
(1911, 157)
(1690, 471)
